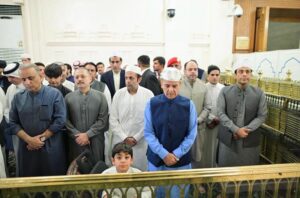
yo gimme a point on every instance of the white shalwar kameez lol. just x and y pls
(127, 120)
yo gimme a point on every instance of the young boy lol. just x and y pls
(122, 159)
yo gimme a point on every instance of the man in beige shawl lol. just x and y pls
(194, 89)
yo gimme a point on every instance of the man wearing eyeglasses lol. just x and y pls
(115, 78)
(242, 109)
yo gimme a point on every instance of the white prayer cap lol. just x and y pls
(171, 74)
(134, 69)
(116, 54)
(12, 69)
(25, 56)
(242, 63)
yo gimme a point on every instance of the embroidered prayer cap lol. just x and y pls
(12, 69)
(242, 63)
(134, 69)
(171, 74)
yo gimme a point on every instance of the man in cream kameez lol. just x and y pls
(126, 117)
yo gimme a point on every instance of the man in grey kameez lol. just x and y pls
(242, 109)
(194, 89)
(87, 117)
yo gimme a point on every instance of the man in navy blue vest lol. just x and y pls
(170, 129)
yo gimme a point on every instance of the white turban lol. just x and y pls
(171, 74)
(134, 69)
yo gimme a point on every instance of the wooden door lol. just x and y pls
(261, 29)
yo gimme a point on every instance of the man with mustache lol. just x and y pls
(194, 89)
(87, 117)
(126, 122)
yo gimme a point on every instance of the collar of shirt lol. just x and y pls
(164, 98)
(87, 93)
(145, 70)
(211, 85)
(93, 82)
(116, 79)
(242, 90)
(40, 91)
(134, 93)
(116, 73)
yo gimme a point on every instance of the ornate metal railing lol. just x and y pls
(274, 86)
(280, 180)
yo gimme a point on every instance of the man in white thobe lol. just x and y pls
(212, 122)
(126, 116)
(12, 73)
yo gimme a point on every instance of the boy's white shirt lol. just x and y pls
(131, 192)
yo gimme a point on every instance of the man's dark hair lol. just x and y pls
(161, 60)
(122, 147)
(39, 64)
(100, 63)
(212, 68)
(235, 71)
(53, 70)
(90, 63)
(144, 60)
(192, 60)
(115, 56)
(69, 67)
